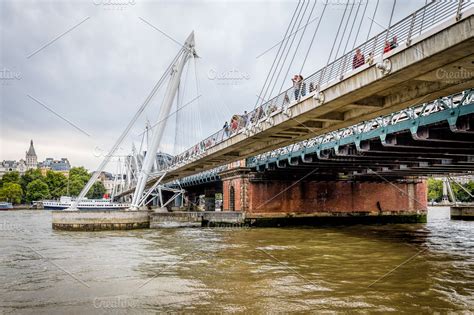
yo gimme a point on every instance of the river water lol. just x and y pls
(417, 268)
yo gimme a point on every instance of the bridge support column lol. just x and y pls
(286, 202)
(235, 183)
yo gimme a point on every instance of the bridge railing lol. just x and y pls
(405, 31)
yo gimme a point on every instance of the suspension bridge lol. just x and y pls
(406, 111)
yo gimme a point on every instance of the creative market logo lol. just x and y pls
(114, 4)
(230, 77)
(7, 76)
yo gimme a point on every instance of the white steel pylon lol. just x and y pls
(175, 75)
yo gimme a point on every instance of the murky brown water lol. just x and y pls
(236, 270)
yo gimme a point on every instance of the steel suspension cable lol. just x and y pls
(372, 20)
(297, 47)
(390, 21)
(464, 188)
(337, 34)
(278, 63)
(278, 52)
(352, 28)
(360, 24)
(323, 72)
(344, 31)
(314, 35)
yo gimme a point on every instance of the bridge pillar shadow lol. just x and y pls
(307, 202)
(203, 197)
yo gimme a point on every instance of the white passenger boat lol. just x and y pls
(6, 205)
(85, 204)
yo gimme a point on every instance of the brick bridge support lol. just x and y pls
(269, 202)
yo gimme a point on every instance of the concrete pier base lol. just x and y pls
(100, 220)
(332, 218)
(196, 219)
(464, 212)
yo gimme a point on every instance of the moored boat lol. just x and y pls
(6, 205)
(85, 204)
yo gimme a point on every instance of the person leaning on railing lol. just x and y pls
(358, 59)
(394, 43)
(271, 109)
(234, 123)
(370, 59)
(387, 47)
(297, 80)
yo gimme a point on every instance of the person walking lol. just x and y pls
(226, 129)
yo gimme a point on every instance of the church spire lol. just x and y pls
(31, 150)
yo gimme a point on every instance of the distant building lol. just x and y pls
(31, 158)
(21, 166)
(108, 180)
(31, 162)
(11, 166)
(62, 166)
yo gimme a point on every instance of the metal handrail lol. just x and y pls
(422, 19)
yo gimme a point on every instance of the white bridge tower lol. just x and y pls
(139, 197)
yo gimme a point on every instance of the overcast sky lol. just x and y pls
(73, 73)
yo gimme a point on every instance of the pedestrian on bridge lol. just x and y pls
(394, 43)
(303, 87)
(358, 59)
(226, 129)
(297, 80)
(245, 118)
(387, 47)
(370, 59)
